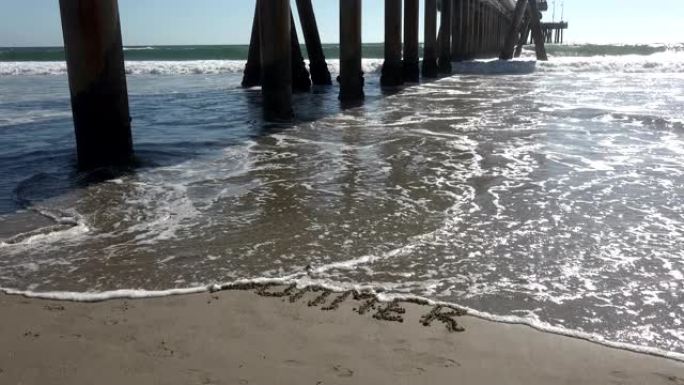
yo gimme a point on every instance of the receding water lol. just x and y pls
(553, 194)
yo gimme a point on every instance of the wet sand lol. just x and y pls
(240, 337)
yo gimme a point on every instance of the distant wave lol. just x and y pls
(583, 50)
(662, 62)
(195, 67)
(139, 48)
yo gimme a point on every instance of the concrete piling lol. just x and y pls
(392, 68)
(430, 40)
(97, 81)
(276, 59)
(411, 61)
(320, 75)
(351, 73)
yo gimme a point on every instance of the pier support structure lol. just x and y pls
(513, 34)
(444, 62)
(97, 81)
(468, 27)
(524, 35)
(252, 74)
(351, 73)
(537, 33)
(301, 82)
(392, 68)
(458, 30)
(411, 61)
(429, 67)
(320, 75)
(276, 59)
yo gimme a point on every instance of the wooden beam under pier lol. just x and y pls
(97, 81)
(320, 75)
(276, 59)
(392, 68)
(351, 73)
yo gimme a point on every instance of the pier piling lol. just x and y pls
(430, 40)
(276, 59)
(252, 74)
(320, 75)
(97, 81)
(411, 61)
(392, 68)
(301, 82)
(351, 73)
(524, 35)
(514, 30)
(537, 33)
(444, 62)
(468, 29)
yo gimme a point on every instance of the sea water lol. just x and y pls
(550, 194)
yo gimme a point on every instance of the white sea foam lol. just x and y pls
(663, 62)
(303, 282)
(190, 67)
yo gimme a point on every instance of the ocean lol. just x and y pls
(549, 194)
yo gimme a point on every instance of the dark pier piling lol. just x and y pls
(429, 68)
(320, 75)
(392, 68)
(411, 61)
(351, 73)
(301, 81)
(514, 31)
(97, 81)
(444, 61)
(252, 74)
(276, 59)
(537, 33)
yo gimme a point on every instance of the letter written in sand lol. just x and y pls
(446, 317)
(390, 312)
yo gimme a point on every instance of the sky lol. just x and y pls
(178, 22)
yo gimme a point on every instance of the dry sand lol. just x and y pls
(239, 337)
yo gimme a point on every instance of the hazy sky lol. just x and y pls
(148, 22)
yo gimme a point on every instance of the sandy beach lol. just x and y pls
(251, 337)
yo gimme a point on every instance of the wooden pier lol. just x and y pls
(454, 30)
(554, 32)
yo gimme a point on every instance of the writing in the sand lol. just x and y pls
(367, 303)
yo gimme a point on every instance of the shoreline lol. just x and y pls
(257, 283)
(260, 334)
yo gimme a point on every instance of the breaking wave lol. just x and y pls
(663, 62)
(194, 67)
